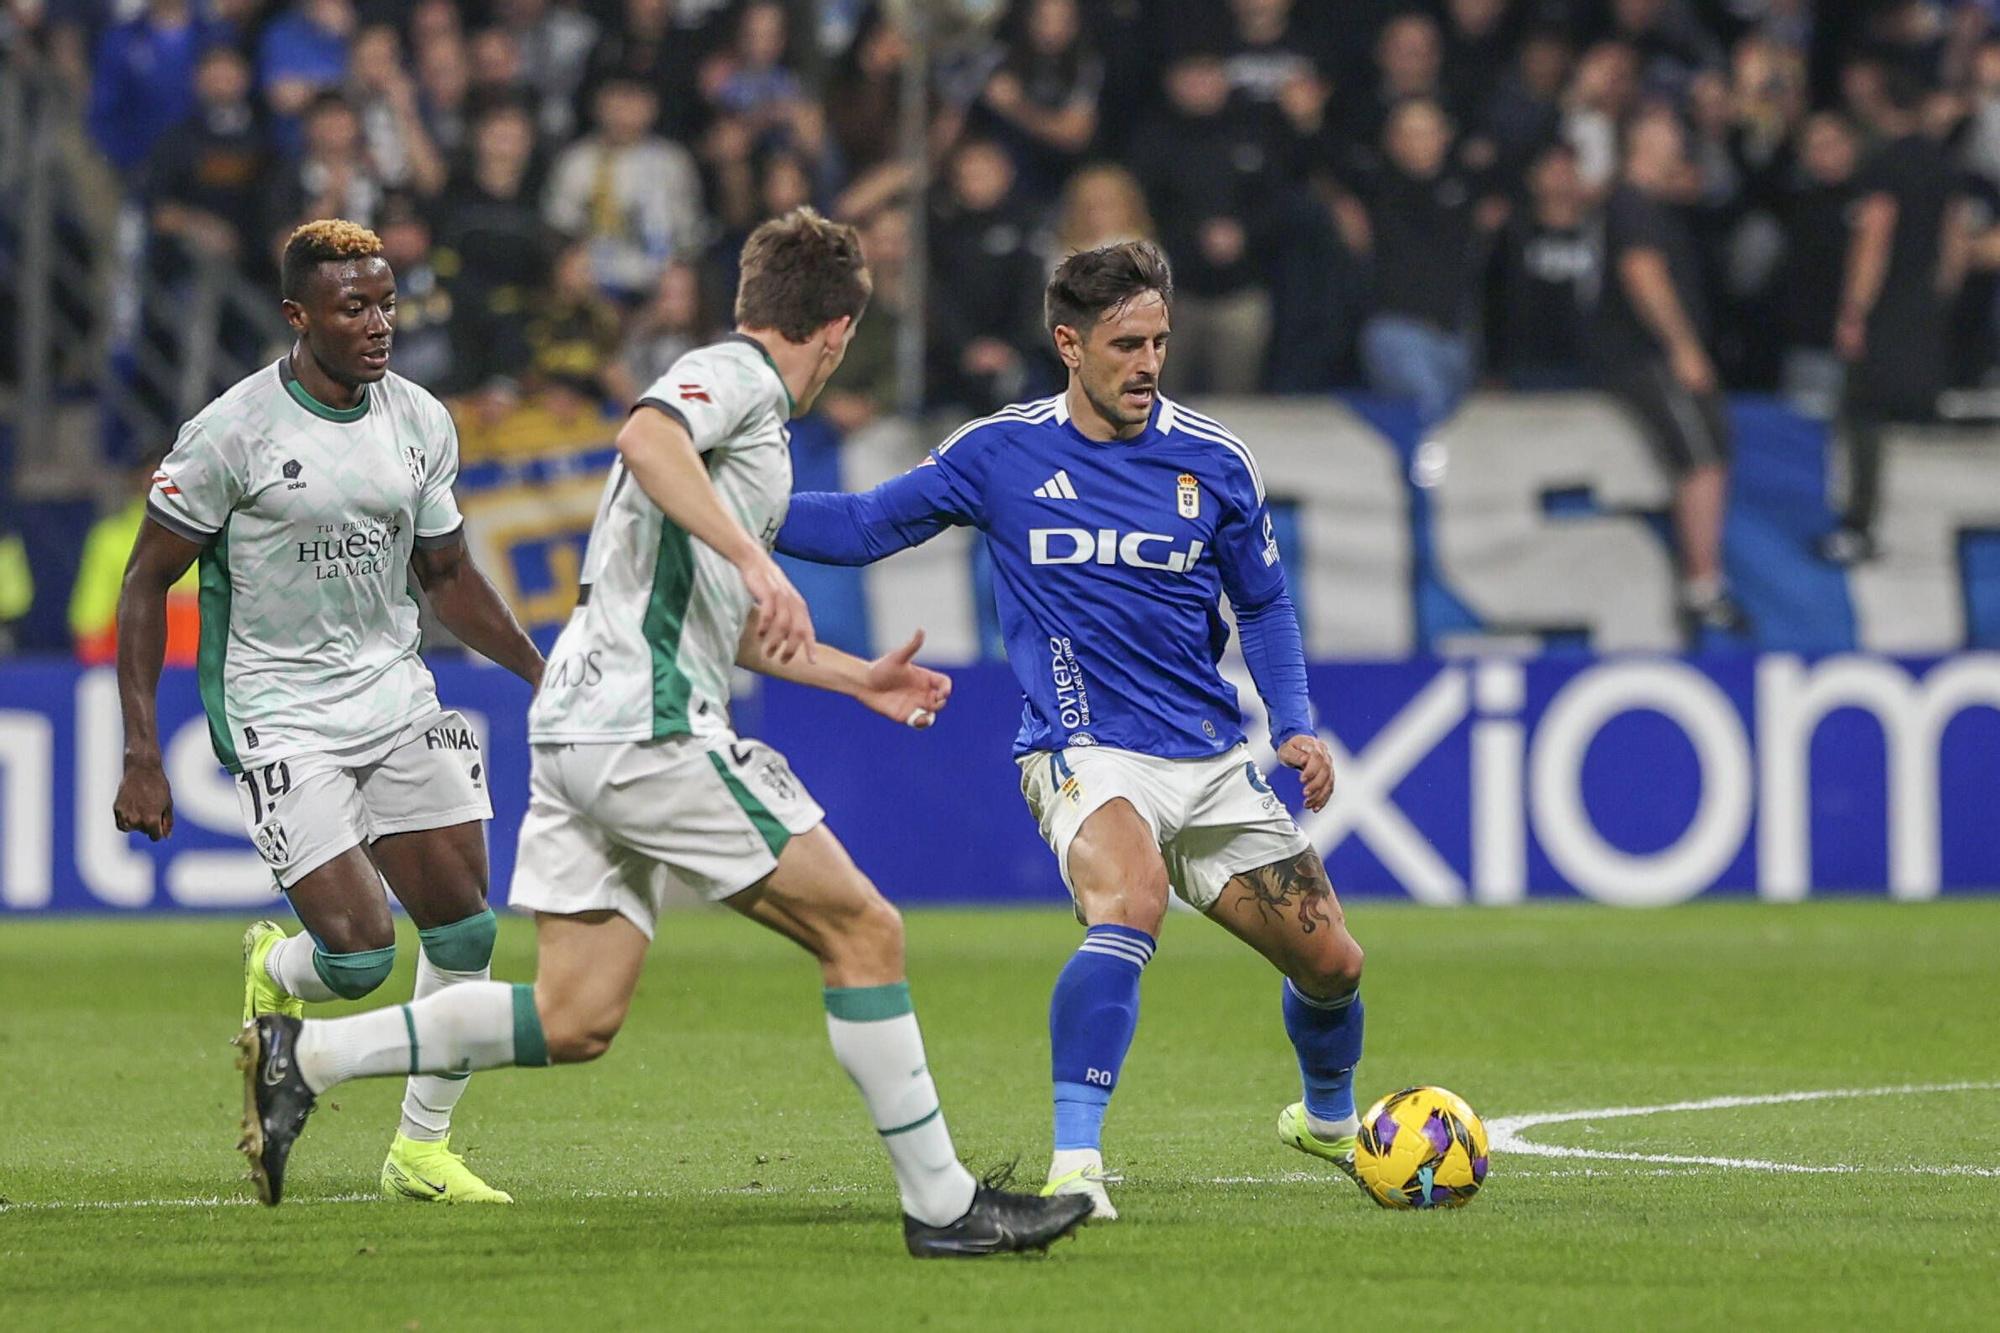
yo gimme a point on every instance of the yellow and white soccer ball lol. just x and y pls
(1421, 1148)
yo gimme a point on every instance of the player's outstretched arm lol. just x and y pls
(893, 685)
(470, 607)
(833, 528)
(661, 457)
(159, 557)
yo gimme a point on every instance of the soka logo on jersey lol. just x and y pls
(1081, 546)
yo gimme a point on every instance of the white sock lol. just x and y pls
(429, 1099)
(885, 1058)
(1328, 1130)
(1067, 1160)
(455, 1031)
(290, 966)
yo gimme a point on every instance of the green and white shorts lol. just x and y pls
(614, 825)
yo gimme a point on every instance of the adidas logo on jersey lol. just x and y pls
(1056, 488)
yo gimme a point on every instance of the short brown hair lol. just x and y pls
(1090, 284)
(325, 241)
(800, 273)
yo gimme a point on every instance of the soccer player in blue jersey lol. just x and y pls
(1116, 519)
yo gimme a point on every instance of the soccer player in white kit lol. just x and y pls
(310, 493)
(640, 784)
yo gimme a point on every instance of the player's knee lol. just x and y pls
(462, 946)
(869, 935)
(1141, 903)
(1334, 970)
(354, 974)
(574, 1037)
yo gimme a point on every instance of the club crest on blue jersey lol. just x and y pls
(1188, 491)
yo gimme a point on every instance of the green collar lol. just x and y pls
(314, 405)
(791, 407)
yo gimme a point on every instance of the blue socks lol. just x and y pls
(1092, 1016)
(1327, 1036)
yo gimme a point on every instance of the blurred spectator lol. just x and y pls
(1409, 63)
(303, 53)
(572, 328)
(205, 184)
(100, 572)
(757, 105)
(496, 421)
(635, 197)
(985, 313)
(1816, 221)
(143, 79)
(497, 73)
(1041, 99)
(1275, 77)
(1101, 205)
(435, 23)
(444, 94)
(1669, 40)
(1421, 223)
(781, 182)
(1546, 277)
(865, 98)
(384, 97)
(1652, 336)
(1525, 110)
(424, 339)
(866, 386)
(1207, 178)
(333, 179)
(1478, 48)
(648, 47)
(1905, 257)
(492, 244)
(669, 326)
(1982, 135)
(554, 41)
(1601, 98)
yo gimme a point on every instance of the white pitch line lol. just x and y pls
(1507, 1133)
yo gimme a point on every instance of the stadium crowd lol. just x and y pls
(1408, 196)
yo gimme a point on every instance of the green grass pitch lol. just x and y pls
(715, 1170)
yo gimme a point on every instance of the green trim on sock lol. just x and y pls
(918, 1123)
(410, 1022)
(869, 1004)
(455, 1078)
(353, 975)
(462, 946)
(530, 1046)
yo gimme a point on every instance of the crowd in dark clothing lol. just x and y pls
(1411, 196)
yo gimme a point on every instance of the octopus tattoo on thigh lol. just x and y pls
(1297, 880)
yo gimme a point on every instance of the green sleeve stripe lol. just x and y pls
(918, 1123)
(410, 1022)
(869, 1004)
(665, 617)
(775, 834)
(530, 1046)
(211, 658)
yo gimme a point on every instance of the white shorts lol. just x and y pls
(304, 811)
(1212, 818)
(613, 826)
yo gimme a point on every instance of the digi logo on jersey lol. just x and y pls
(1105, 546)
(349, 549)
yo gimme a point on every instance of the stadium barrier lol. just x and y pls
(1626, 780)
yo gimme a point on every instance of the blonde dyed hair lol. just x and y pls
(322, 241)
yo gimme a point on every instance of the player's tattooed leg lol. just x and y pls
(1295, 888)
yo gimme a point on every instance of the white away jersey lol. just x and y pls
(649, 650)
(307, 515)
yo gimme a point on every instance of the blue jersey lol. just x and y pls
(1110, 561)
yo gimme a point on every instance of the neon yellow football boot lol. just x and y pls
(433, 1173)
(1294, 1130)
(261, 994)
(1079, 1173)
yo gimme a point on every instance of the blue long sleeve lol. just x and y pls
(1276, 656)
(838, 529)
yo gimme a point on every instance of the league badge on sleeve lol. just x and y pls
(1190, 495)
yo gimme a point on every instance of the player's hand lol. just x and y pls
(784, 626)
(1309, 755)
(1850, 336)
(145, 801)
(904, 692)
